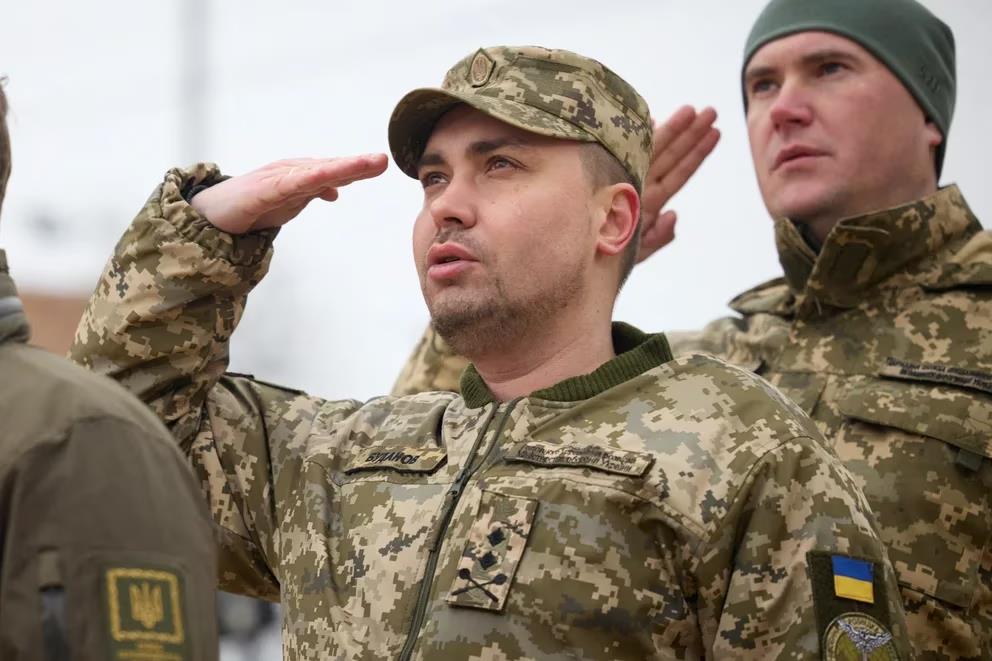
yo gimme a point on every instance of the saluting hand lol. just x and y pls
(276, 193)
(681, 144)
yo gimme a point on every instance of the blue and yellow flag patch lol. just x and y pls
(851, 601)
(853, 579)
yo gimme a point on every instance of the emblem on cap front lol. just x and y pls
(481, 68)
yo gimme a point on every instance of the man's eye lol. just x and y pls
(830, 68)
(431, 179)
(501, 163)
(762, 85)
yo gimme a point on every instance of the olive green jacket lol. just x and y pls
(107, 550)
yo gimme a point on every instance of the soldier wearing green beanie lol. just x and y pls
(880, 327)
(916, 46)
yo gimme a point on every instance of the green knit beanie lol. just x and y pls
(913, 43)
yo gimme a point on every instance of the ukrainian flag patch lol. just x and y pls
(853, 579)
(851, 602)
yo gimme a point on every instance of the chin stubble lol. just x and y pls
(497, 322)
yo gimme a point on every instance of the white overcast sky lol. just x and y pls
(98, 115)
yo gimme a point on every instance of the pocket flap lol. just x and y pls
(960, 417)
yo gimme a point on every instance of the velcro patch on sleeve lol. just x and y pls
(145, 614)
(851, 606)
(609, 460)
(404, 459)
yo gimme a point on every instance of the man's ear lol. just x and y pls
(620, 211)
(934, 136)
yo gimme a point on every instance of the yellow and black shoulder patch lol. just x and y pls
(851, 606)
(145, 613)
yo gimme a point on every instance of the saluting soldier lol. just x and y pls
(881, 328)
(584, 496)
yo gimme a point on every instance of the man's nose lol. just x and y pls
(791, 106)
(455, 204)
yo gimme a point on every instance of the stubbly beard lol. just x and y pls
(484, 322)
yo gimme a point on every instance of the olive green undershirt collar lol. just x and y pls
(637, 352)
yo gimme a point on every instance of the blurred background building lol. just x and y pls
(107, 95)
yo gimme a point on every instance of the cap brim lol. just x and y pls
(417, 113)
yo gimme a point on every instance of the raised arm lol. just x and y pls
(160, 321)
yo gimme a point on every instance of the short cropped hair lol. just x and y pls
(603, 169)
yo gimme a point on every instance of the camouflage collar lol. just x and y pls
(637, 352)
(13, 323)
(863, 252)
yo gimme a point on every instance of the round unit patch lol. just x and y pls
(858, 637)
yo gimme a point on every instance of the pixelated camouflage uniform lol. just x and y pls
(885, 339)
(651, 509)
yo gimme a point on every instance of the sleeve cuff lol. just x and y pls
(178, 188)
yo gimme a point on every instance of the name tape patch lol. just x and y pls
(145, 614)
(955, 376)
(405, 459)
(609, 460)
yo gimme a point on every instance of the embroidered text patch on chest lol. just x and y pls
(609, 460)
(406, 459)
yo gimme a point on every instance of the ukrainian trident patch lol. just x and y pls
(145, 614)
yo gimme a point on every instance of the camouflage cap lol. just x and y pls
(555, 93)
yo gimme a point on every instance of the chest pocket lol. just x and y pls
(553, 525)
(922, 452)
(493, 551)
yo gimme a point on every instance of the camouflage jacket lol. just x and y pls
(885, 339)
(654, 508)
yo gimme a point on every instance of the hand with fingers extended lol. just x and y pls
(276, 193)
(681, 144)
